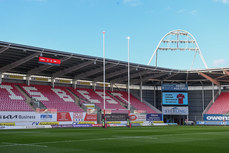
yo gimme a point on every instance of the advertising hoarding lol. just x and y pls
(174, 98)
(168, 110)
(63, 116)
(26, 117)
(215, 117)
(174, 87)
(137, 117)
(153, 117)
(87, 117)
(116, 117)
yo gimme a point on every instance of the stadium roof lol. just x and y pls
(22, 59)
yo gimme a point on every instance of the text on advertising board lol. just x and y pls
(175, 110)
(174, 87)
(50, 61)
(172, 98)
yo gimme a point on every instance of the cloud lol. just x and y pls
(222, 1)
(219, 62)
(132, 2)
(183, 11)
(193, 12)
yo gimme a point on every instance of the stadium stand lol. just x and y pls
(96, 97)
(138, 105)
(60, 98)
(221, 105)
(53, 98)
(11, 99)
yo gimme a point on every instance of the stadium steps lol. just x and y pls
(97, 99)
(147, 103)
(77, 100)
(122, 103)
(81, 100)
(28, 99)
(210, 104)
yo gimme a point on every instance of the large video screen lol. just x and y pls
(174, 98)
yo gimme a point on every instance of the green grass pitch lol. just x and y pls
(171, 139)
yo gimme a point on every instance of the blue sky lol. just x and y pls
(76, 26)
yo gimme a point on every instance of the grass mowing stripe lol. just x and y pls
(180, 139)
(17, 144)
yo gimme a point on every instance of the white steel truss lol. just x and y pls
(178, 40)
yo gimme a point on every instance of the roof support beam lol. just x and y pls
(226, 72)
(3, 49)
(72, 69)
(169, 76)
(18, 62)
(94, 71)
(0, 78)
(146, 78)
(44, 67)
(124, 78)
(209, 78)
(113, 74)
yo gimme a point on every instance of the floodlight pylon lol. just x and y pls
(181, 37)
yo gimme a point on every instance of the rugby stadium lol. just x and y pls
(57, 101)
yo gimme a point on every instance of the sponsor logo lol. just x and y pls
(81, 125)
(154, 117)
(113, 122)
(44, 116)
(175, 110)
(215, 117)
(97, 125)
(86, 123)
(137, 117)
(91, 117)
(62, 126)
(35, 123)
(139, 122)
(63, 116)
(7, 124)
(49, 123)
(133, 117)
(8, 116)
(158, 121)
(135, 124)
(34, 127)
(174, 87)
(17, 117)
(78, 116)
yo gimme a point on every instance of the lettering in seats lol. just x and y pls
(12, 95)
(63, 95)
(108, 98)
(120, 96)
(85, 94)
(32, 91)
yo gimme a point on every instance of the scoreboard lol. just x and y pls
(49, 61)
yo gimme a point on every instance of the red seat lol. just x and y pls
(221, 104)
(96, 97)
(57, 98)
(134, 102)
(11, 99)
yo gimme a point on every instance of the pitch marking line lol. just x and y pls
(18, 144)
(98, 139)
